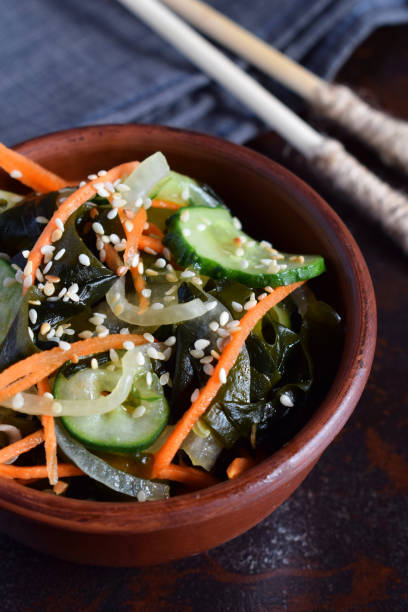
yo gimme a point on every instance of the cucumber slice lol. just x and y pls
(211, 241)
(121, 430)
(10, 298)
(184, 190)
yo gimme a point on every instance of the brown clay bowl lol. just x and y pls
(274, 204)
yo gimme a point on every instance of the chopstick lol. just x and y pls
(386, 135)
(377, 198)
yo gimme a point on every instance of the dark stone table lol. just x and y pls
(341, 541)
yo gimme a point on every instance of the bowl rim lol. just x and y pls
(323, 426)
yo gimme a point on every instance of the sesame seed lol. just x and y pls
(28, 281)
(232, 324)
(148, 337)
(48, 395)
(92, 177)
(195, 394)
(240, 252)
(186, 232)
(62, 292)
(96, 319)
(84, 259)
(197, 353)
(32, 315)
(210, 305)
(42, 220)
(16, 174)
(129, 226)
(222, 332)
(128, 345)
(102, 255)
(140, 359)
(201, 344)
(172, 278)
(103, 333)
(102, 173)
(98, 228)
(157, 306)
(286, 399)
(25, 254)
(39, 275)
(208, 369)
(164, 379)
(51, 334)
(45, 328)
(237, 307)
(17, 401)
(56, 408)
(56, 235)
(265, 244)
(135, 261)
(94, 363)
(141, 496)
(85, 334)
(118, 309)
(146, 293)
(60, 254)
(187, 274)
(207, 359)
(224, 317)
(266, 262)
(82, 184)
(222, 376)
(149, 379)
(112, 213)
(28, 268)
(31, 334)
(262, 296)
(139, 412)
(237, 223)
(150, 251)
(160, 263)
(121, 271)
(140, 268)
(65, 346)
(250, 304)
(244, 264)
(201, 227)
(150, 272)
(167, 353)
(274, 267)
(73, 288)
(69, 332)
(215, 354)
(59, 224)
(185, 215)
(47, 268)
(214, 325)
(171, 341)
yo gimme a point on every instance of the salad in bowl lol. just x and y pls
(148, 345)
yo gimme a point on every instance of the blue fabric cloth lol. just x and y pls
(80, 62)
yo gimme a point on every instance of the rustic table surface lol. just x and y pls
(341, 541)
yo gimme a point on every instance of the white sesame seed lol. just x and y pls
(42, 220)
(31, 334)
(186, 232)
(102, 255)
(232, 324)
(208, 369)
(167, 353)
(103, 193)
(150, 251)
(201, 344)
(102, 173)
(195, 395)
(25, 254)
(286, 399)
(122, 187)
(16, 174)
(222, 376)
(244, 264)
(45, 328)
(32, 314)
(128, 345)
(141, 496)
(146, 293)
(215, 354)
(265, 244)
(105, 239)
(139, 412)
(140, 359)
(82, 184)
(28, 281)
(84, 259)
(149, 379)
(94, 363)
(187, 274)
(56, 235)
(48, 395)
(70, 332)
(150, 272)
(17, 401)
(122, 270)
(140, 268)
(274, 268)
(129, 226)
(240, 252)
(157, 306)
(197, 353)
(262, 296)
(59, 224)
(85, 334)
(172, 278)
(210, 305)
(28, 268)
(201, 227)
(65, 346)
(56, 408)
(73, 289)
(250, 304)
(98, 228)
(39, 275)
(222, 332)
(47, 267)
(51, 334)
(62, 292)
(96, 319)
(135, 261)
(114, 238)
(237, 223)
(92, 177)
(214, 325)
(171, 341)
(148, 337)
(60, 254)
(103, 333)
(237, 306)
(112, 213)
(224, 318)
(266, 262)
(164, 379)
(160, 263)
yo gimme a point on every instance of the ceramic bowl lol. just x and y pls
(273, 204)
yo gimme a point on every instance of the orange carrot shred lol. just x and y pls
(38, 471)
(165, 204)
(21, 446)
(31, 370)
(132, 235)
(50, 439)
(71, 204)
(32, 174)
(188, 476)
(238, 466)
(153, 229)
(113, 260)
(166, 453)
(151, 243)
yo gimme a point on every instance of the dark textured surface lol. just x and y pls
(340, 542)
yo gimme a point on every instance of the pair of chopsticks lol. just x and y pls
(325, 155)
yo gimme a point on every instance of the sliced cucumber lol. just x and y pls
(211, 241)
(10, 298)
(127, 428)
(184, 190)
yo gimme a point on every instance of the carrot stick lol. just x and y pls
(151, 243)
(133, 229)
(113, 260)
(166, 204)
(21, 446)
(71, 204)
(30, 371)
(153, 229)
(33, 175)
(38, 471)
(239, 465)
(165, 455)
(50, 439)
(188, 476)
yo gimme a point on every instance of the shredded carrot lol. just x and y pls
(153, 229)
(139, 284)
(38, 471)
(188, 476)
(30, 371)
(21, 446)
(60, 487)
(50, 439)
(133, 229)
(166, 204)
(32, 174)
(113, 260)
(165, 455)
(239, 465)
(71, 204)
(151, 243)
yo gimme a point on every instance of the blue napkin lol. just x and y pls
(79, 62)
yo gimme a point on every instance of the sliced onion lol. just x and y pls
(173, 313)
(202, 450)
(144, 178)
(35, 404)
